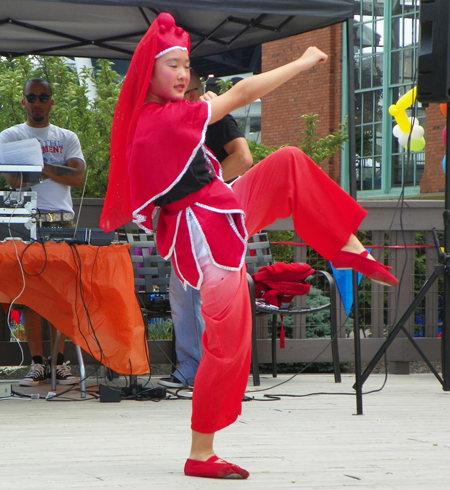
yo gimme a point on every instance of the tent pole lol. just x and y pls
(352, 181)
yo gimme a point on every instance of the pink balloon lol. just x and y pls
(444, 135)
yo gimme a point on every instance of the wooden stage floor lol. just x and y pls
(308, 442)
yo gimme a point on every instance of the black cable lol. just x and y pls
(45, 259)
(306, 367)
(400, 208)
(78, 264)
(57, 398)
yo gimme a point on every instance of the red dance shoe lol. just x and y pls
(214, 468)
(360, 263)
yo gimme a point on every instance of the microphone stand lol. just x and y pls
(442, 269)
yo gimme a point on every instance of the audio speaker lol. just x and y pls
(433, 81)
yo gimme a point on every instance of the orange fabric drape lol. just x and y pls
(86, 292)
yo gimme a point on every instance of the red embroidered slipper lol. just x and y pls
(360, 263)
(214, 467)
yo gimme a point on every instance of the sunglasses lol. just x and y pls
(190, 90)
(42, 97)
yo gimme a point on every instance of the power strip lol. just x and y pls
(5, 390)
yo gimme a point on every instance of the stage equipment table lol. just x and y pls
(86, 292)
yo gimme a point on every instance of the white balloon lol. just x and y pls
(417, 132)
(396, 131)
(403, 139)
(414, 121)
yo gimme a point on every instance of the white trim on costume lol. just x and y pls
(191, 216)
(168, 50)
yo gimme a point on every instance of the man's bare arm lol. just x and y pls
(239, 159)
(71, 174)
(15, 180)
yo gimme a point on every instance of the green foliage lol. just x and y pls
(160, 329)
(13, 73)
(90, 120)
(223, 85)
(318, 323)
(319, 149)
(282, 253)
(260, 151)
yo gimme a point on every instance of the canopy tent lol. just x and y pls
(112, 28)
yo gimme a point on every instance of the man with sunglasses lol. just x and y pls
(64, 167)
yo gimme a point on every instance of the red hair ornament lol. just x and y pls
(170, 37)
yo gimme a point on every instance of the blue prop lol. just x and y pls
(344, 283)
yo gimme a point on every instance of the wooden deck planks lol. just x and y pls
(401, 442)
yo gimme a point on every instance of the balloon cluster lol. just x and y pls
(408, 131)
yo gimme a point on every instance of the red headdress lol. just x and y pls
(162, 36)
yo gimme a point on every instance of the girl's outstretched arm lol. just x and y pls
(250, 89)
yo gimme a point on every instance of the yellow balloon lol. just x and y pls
(393, 110)
(398, 110)
(403, 121)
(406, 100)
(417, 145)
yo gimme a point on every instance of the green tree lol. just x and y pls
(319, 149)
(260, 151)
(90, 119)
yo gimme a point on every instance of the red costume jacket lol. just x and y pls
(166, 139)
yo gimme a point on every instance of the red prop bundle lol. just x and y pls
(279, 283)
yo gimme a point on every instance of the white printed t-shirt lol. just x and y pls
(58, 145)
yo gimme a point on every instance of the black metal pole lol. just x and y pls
(445, 352)
(352, 182)
(357, 346)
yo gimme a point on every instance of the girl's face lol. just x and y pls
(170, 78)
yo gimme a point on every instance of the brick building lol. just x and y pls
(318, 91)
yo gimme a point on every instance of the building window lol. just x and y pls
(386, 43)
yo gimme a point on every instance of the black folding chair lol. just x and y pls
(151, 278)
(259, 255)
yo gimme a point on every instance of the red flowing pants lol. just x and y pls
(324, 215)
